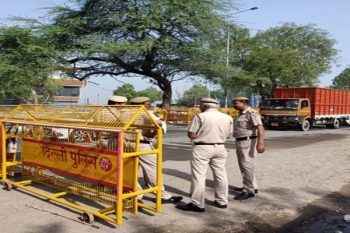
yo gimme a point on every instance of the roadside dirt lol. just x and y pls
(323, 215)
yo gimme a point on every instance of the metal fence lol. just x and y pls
(88, 151)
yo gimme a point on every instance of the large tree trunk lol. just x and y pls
(167, 98)
(165, 86)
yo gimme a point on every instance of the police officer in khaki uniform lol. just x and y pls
(109, 140)
(148, 163)
(249, 133)
(208, 131)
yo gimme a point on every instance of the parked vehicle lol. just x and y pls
(305, 107)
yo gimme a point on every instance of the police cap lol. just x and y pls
(209, 100)
(118, 99)
(139, 100)
(241, 98)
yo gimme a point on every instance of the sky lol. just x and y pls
(329, 15)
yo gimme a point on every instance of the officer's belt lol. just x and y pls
(246, 138)
(208, 143)
(145, 141)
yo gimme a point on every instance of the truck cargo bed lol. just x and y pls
(324, 101)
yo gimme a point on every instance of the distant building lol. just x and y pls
(70, 93)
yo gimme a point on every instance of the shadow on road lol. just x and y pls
(323, 215)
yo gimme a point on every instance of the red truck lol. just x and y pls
(304, 107)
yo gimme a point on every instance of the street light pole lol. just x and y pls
(227, 63)
(228, 51)
(250, 9)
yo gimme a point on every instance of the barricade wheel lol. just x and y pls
(7, 186)
(87, 217)
(79, 136)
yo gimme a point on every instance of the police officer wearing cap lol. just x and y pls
(109, 141)
(117, 100)
(208, 131)
(148, 163)
(249, 134)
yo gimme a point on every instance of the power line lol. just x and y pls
(115, 79)
(101, 88)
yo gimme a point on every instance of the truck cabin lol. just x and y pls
(285, 104)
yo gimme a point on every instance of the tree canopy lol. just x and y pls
(151, 92)
(129, 92)
(342, 81)
(228, 54)
(126, 90)
(26, 63)
(289, 56)
(162, 41)
(157, 39)
(193, 95)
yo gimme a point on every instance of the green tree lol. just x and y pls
(129, 92)
(289, 56)
(151, 92)
(126, 90)
(48, 87)
(162, 40)
(26, 59)
(193, 95)
(217, 94)
(342, 81)
(229, 52)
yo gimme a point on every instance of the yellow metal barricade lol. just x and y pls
(9, 146)
(181, 114)
(5, 109)
(161, 113)
(229, 111)
(191, 112)
(88, 151)
(185, 114)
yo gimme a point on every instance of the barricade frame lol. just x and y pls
(134, 123)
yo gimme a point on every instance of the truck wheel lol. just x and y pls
(346, 122)
(266, 127)
(336, 124)
(305, 126)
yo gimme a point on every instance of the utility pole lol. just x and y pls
(228, 52)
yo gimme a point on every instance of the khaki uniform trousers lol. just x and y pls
(148, 165)
(245, 151)
(214, 156)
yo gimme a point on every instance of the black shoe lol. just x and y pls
(173, 199)
(244, 196)
(219, 205)
(190, 207)
(256, 191)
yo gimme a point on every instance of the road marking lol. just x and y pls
(187, 147)
(177, 148)
(190, 144)
(177, 144)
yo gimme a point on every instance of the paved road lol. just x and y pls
(277, 204)
(178, 147)
(322, 215)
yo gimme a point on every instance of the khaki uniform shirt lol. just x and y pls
(211, 126)
(151, 134)
(246, 122)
